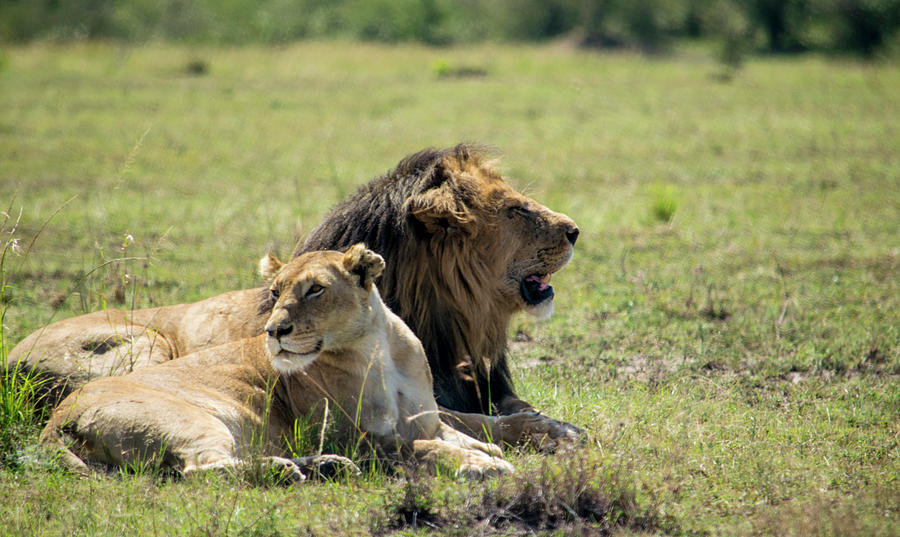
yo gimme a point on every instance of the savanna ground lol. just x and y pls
(728, 331)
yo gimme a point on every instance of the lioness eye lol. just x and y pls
(274, 293)
(314, 290)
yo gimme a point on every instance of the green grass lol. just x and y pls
(728, 331)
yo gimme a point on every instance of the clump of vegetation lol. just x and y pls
(443, 69)
(414, 507)
(19, 415)
(664, 204)
(583, 494)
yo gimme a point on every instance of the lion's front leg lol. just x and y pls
(539, 431)
(530, 428)
(535, 429)
(288, 471)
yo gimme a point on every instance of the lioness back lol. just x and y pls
(69, 353)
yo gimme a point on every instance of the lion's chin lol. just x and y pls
(537, 295)
(541, 311)
(285, 361)
(288, 362)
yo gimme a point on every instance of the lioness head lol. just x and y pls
(518, 242)
(319, 302)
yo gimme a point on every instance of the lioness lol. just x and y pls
(464, 252)
(328, 335)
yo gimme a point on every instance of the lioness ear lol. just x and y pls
(363, 263)
(439, 209)
(269, 266)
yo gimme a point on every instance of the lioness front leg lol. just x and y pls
(471, 458)
(326, 466)
(287, 470)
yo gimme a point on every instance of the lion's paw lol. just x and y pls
(482, 466)
(289, 472)
(540, 432)
(327, 466)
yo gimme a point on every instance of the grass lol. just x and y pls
(727, 331)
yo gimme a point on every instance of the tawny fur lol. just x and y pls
(458, 241)
(209, 409)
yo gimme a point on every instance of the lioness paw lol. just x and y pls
(289, 472)
(464, 441)
(327, 466)
(483, 466)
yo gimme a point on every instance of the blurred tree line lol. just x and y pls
(865, 27)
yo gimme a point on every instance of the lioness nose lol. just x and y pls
(279, 331)
(572, 235)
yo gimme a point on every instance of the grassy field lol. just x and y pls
(728, 332)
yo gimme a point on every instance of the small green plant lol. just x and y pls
(152, 466)
(443, 69)
(412, 508)
(664, 204)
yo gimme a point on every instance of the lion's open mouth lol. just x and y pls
(536, 289)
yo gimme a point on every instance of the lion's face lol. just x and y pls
(535, 242)
(319, 301)
(519, 241)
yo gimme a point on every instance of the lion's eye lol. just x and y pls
(518, 210)
(274, 292)
(314, 290)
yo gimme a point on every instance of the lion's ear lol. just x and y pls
(439, 209)
(363, 263)
(269, 266)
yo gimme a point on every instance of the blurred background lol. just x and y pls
(863, 27)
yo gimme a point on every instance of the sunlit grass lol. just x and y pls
(726, 331)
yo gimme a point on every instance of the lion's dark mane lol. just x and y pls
(465, 343)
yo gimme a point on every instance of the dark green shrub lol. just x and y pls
(863, 26)
(782, 21)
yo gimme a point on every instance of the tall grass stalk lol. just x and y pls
(19, 389)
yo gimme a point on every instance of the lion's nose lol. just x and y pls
(279, 332)
(572, 235)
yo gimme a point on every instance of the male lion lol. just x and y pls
(464, 253)
(328, 335)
